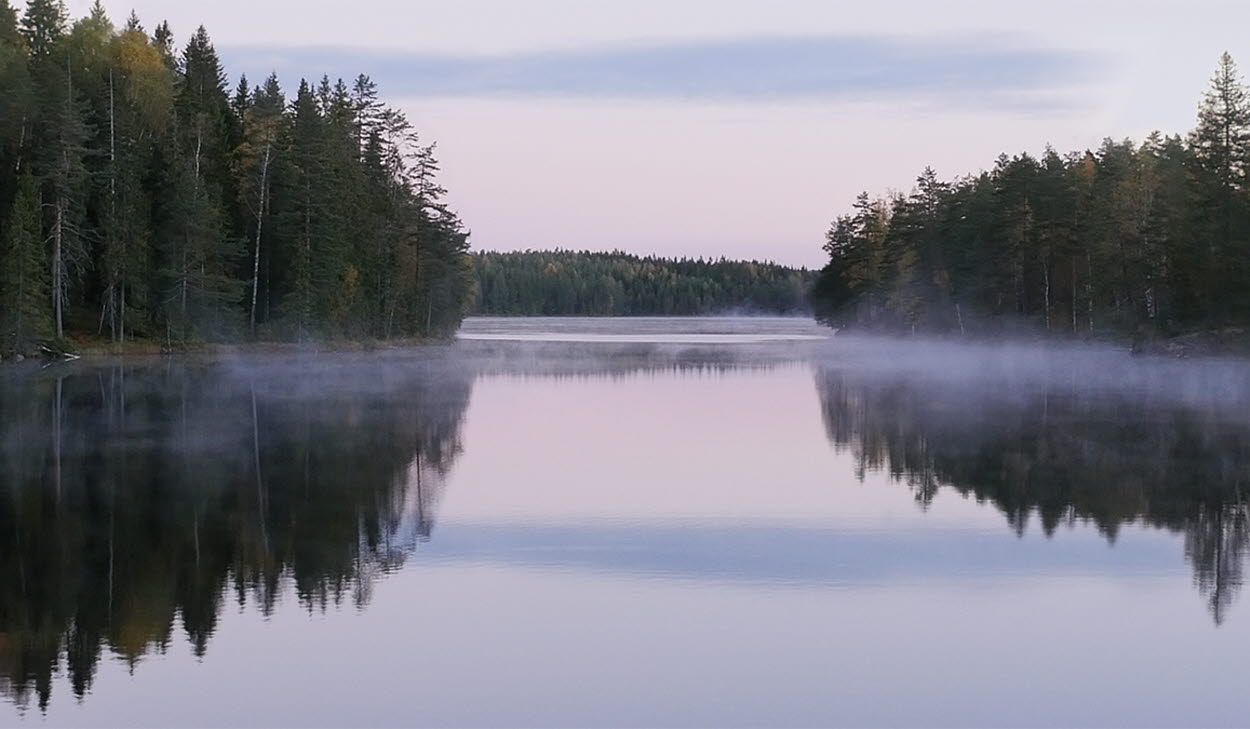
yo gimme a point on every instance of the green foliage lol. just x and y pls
(171, 210)
(17, 103)
(43, 26)
(572, 283)
(10, 31)
(1136, 239)
(23, 274)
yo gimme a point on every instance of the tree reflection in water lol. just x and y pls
(139, 497)
(140, 494)
(1060, 454)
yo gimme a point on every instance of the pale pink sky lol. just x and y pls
(653, 165)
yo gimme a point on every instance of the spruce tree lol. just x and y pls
(200, 243)
(17, 94)
(163, 39)
(242, 98)
(303, 204)
(198, 291)
(23, 275)
(204, 111)
(43, 26)
(352, 234)
(60, 160)
(10, 31)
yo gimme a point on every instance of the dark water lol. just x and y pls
(646, 523)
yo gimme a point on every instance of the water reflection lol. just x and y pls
(140, 499)
(142, 495)
(137, 496)
(1061, 454)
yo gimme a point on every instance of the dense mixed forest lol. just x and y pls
(1138, 239)
(140, 198)
(582, 283)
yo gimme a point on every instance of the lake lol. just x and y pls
(662, 522)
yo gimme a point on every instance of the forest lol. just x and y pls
(582, 283)
(142, 198)
(1128, 240)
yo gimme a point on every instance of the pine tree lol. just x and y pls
(1221, 149)
(1221, 141)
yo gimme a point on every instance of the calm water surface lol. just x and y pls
(631, 522)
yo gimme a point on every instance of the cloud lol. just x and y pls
(791, 554)
(997, 70)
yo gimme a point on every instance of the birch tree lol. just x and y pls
(254, 160)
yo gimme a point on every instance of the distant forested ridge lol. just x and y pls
(139, 197)
(1129, 238)
(582, 283)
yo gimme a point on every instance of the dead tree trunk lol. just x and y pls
(260, 220)
(58, 266)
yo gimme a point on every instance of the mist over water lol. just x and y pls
(628, 522)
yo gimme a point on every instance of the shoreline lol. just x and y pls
(1226, 343)
(149, 348)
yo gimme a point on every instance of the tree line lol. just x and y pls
(139, 198)
(584, 283)
(1139, 239)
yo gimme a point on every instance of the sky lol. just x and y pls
(726, 127)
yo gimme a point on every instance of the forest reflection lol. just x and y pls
(138, 496)
(1061, 454)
